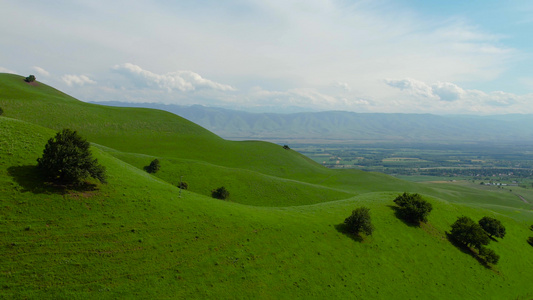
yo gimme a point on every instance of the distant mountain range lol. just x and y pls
(346, 127)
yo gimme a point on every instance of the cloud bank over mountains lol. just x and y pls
(362, 56)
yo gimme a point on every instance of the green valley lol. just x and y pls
(277, 236)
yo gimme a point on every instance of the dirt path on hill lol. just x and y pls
(522, 198)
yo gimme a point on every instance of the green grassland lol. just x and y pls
(277, 237)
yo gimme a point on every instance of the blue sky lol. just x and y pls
(410, 56)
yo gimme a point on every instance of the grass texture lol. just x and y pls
(278, 236)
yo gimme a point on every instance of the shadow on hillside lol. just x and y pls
(31, 180)
(399, 215)
(467, 250)
(342, 228)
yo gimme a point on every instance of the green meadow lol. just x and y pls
(277, 236)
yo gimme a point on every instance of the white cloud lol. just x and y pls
(79, 80)
(4, 70)
(446, 97)
(412, 86)
(184, 81)
(447, 91)
(41, 71)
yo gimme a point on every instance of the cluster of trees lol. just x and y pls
(67, 160)
(477, 235)
(465, 231)
(413, 208)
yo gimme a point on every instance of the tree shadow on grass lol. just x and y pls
(30, 178)
(342, 228)
(399, 214)
(467, 250)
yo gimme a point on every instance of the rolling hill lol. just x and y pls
(278, 235)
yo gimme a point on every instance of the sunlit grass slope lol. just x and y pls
(143, 131)
(135, 238)
(206, 160)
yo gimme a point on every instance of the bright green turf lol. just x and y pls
(135, 238)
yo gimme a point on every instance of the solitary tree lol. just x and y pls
(30, 78)
(183, 185)
(286, 147)
(413, 208)
(359, 221)
(492, 226)
(469, 233)
(1, 111)
(153, 167)
(67, 159)
(220, 193)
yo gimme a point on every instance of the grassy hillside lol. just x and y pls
(144, 131)
(134, 237)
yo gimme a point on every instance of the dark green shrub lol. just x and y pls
(220, 193)
(30, 78)
(469, 233)
(67, 159)
(413, 208)
(530, 240)
(489, 255)
(1, 111)
(183, 185)
(153, 167)
(286, 147)
(359, 221)
(492, 226)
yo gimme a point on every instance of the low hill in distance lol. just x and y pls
(277, 236)
(345, 127)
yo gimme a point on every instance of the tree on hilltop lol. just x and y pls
(359, 221)
(30, 78)
(67, 159)
(413, 208)
(492, 226)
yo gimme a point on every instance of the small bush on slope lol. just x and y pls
(359, 221)
(153, 167)
(220, 193)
